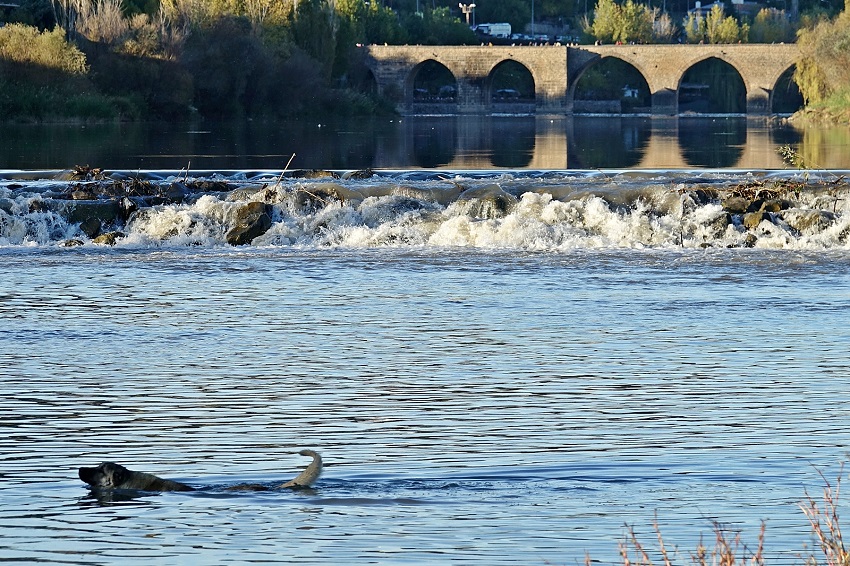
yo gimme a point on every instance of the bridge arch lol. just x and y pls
(509, 82)
(430, 82)
(623, 84)
(760, 67)
(712, 85)
(785, 97)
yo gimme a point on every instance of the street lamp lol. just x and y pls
(468, 9)
(532, 20)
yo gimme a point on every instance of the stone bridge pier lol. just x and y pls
(556, 71)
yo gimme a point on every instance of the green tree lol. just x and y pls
(44, 76)
(222, 59)
(38, 13)
(381, 25)
(715, 27)
(555, 10)
(354, 11)
(314, 26)
(636, 23)
(823, 69)
(49, 49)
(438, 27)
(629, 22)
(694, 28)
(771, 26)
(721, 28)
(606, 18)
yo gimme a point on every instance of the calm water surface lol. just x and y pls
(472, 406)
(433, 142)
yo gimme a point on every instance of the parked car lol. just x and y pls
(506, 94)
(447, 92)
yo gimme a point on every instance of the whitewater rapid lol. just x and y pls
(527, 210)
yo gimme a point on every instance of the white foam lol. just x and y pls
(624, 211)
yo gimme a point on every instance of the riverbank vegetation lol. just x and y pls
(142, 59)
(823, 72)
(45, 77)
(224, 59)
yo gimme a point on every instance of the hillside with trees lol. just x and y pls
(172, 59)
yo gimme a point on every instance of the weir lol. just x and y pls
(556, 70)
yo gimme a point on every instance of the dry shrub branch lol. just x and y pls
(729, 549)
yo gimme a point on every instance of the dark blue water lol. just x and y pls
(475, 406)
(500, 366)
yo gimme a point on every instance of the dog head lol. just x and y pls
(106, 476)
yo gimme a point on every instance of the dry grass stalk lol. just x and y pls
(641, 557)
(825, 524)
(729, 549)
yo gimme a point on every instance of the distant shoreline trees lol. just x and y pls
(171, 59)
(631, 22)
(212, 58)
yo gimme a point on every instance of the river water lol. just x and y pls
(448, 142)
(498, 367)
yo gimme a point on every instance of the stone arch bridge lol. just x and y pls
(556, 69)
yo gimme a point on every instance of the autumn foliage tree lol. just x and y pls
(823, 70)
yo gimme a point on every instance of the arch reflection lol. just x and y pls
(608, 142)
(713, 142)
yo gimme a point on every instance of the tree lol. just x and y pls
(663, 28)
(720, 28)
(50, 50)
(38, 13)
(222, 59)
(824, 65)
(381, 25)
(694, 28)
(314, 26)
(556, 10)
(438, 27)
(771, 26)
(635, 23)
(630, 22)
(715, 27)
(102, 21)
(606, 17)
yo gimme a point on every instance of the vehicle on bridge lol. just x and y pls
(500, 30)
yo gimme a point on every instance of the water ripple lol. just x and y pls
(471, 407)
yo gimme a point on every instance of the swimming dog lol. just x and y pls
(109, 475)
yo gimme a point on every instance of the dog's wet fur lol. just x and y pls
(109, 475)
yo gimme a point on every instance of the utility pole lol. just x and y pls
(532, 20)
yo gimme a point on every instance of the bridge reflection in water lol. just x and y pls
(467, 142)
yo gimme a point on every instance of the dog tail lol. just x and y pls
(309, 476)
